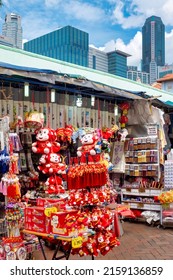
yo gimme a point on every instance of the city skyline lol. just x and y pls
(111, 23)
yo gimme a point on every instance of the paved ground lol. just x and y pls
(139, 242)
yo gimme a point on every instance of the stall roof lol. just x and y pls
(55, 71)
(84, 85)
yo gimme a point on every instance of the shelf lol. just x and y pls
(141, 192)
(140, 202)
(138, 194)
(143, 206)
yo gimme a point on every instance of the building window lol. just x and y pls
(94, 62)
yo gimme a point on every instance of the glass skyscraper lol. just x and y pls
(117, 63)
(153, 46)
(67, 43)
(12, 29)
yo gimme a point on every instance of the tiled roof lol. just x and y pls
(157, 85)
(168, 77)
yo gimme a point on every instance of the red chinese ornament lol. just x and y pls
(124, 108)
(123, 120)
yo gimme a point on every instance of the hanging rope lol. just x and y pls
(48, 107)
(33, 100)
(99, 115)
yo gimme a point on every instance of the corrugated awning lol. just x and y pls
(77, 83)
(70, 82)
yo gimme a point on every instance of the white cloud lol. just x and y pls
(169, 47)
(38, 28)
(139, 10)
(134, 48)
(83, 11)
(77, 9)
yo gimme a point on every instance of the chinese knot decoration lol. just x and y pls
(124, 111)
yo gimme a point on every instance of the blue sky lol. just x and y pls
(110, 23)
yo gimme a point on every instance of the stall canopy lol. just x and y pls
(17, 64)
(68, 82)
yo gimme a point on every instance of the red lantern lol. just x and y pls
(124, 107)
(123, 120)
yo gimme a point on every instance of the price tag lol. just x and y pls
(48, 211)
(141, 190)
(76, 242)
(128, 189)
(152, 130)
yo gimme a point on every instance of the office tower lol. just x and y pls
(114, 62)
(153, 46)
(134, 74)
(98, 60)
(67, 43)
(12, 29)
(5, 41)
(117, 63)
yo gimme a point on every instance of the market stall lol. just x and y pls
(64, 163)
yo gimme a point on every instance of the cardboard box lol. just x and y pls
(65, 223)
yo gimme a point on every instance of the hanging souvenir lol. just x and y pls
(4, 161)
(34, 120)
(10, 182)
(124, 111)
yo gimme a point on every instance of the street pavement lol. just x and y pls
(139, 241)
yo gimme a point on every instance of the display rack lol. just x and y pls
(142, 156)
(141, 198)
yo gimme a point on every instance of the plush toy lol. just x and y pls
(95, 219)
(54, 184)
(91, 246)
(53, 164)
(53, 180)
(106, 133)
(111, 239)
(102, 244)
(82, 218)
(105, 146)
(42, 162)
(122, 133)
(68, 132)
(78, 199)
(46, 142)
(60, 134)
(88, 141)
(106, 161)
(102, 196)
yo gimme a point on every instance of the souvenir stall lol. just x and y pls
(68, 156)
(63, 197)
